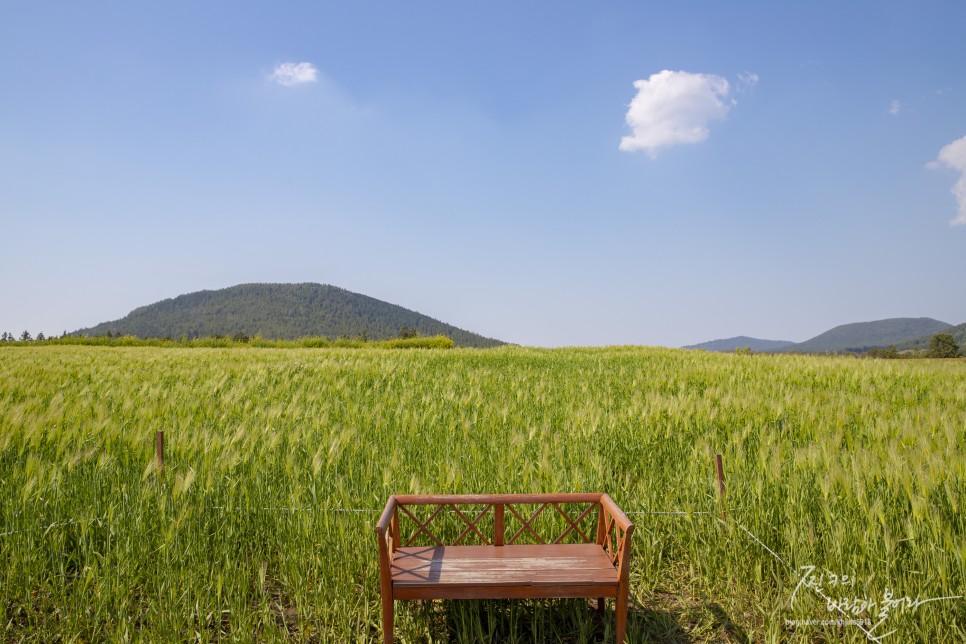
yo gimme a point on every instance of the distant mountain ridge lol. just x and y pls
(741, 341)
(861, 336)
(905, 333)
(280, 311)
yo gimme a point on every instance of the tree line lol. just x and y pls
(407, 339)
(24, 337)
(941, 345)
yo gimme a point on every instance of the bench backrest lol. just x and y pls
(505, 519)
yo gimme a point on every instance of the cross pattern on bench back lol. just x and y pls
(498, 523)
(422, 524)
(573, 526)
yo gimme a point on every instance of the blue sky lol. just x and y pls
(786, 167)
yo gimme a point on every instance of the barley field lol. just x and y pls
(845, 479)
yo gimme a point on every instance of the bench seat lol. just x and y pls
(501, 572)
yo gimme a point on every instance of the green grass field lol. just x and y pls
(855, 467)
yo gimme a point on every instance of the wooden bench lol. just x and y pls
(437, 564)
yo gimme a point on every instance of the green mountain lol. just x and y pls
(861, 336)
(283, 311)
(958, 332)
(730, 344)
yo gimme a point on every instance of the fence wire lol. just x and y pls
(102, 519)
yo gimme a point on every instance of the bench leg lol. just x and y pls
(620, 613)
(387, 618)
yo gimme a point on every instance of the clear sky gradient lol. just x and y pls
(547, 174)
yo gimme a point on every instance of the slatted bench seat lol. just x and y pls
(569, 564)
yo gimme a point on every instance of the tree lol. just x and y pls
(25, 337)
(943, 345)
(405, 333)
(4, 337)
(40, 337)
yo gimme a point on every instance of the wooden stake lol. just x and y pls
(721, 485)
(159, 448)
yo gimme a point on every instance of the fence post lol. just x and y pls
(721, 486)
(159, 448)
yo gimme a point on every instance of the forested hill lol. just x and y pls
(283, 311)
(906, 333)
(958, 332)
(861, 336)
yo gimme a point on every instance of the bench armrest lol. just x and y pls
(388, 529)
(385, 520)
(614, 531)
(608, 504)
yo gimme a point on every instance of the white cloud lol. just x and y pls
(747, 80)
(953, 156)
(895, 107)
(291, 74)
(673, 108)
